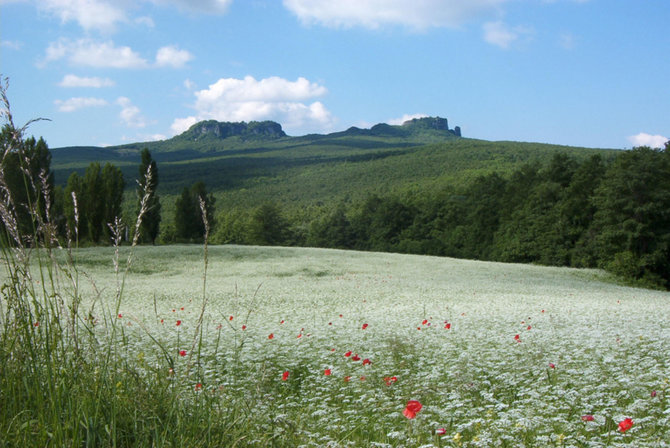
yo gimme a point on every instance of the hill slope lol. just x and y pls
(252, 162)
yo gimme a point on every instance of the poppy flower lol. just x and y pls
(366, 361)
(282, 321)
(348, 354)
(230, 318)
(425, 321)
(447, 326)
(356, 357)
(365, 326)
(587, 418)
(244, 327)
(347, 379)
(625, 424)
(120, 315)
(440, 431)
(327, 372)
(220, 326)
(161, 320)
(284, 376)
(528, 327)
(653, 393)
(412, 408)
(36, 324)
(198, 387)
(552, 365)
(517, 338)
(390, 380)
(363, 378)
(182, 352)
(299, 335)
(178, 323)
(271, 336)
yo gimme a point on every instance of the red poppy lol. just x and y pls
(346, 379)
(517, 338)
(36, 324)
(198, 387)
(412, 408)
(182, 353)
(625, 424)
(120, 315)
(528, 327)
(348, 354)
(440, 431)
(178, 323)
(340, 315)
(299, 336)
(182, 308)
(271, 336)
(653, 393)
(282, 321)
(552, 365)
(244, 327)
(447, 326)
(161, 320)
(425, 321)
(327, 372)
(284, 376)
(587, 418)
(366, 361)
(356, 357)
(230, 318)
(365, 326)
(363, 378)
(390, 380)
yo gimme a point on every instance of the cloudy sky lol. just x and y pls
(592, 73)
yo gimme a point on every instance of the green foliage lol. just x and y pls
(151, 208)
(26, 169)
(189, 223)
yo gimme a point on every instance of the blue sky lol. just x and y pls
(592, 73)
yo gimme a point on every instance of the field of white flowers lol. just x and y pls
(326, 348)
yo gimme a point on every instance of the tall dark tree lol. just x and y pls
(113, 185)
(148, 185)
(189, 223)
(74, 207)
(94, 201)
(267, 226)
(632, 223)
(26, 168)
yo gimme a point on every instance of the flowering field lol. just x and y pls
(312, 347)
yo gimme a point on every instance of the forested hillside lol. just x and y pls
(417, 188)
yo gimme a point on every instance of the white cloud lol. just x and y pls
(130, 114)
(172, 56)
(644, 139)
(77, 103)
(418, 14)
(404, 118)
(207, 6)
(146, 21)
(190, 85)
(85, 52)
(11, 44)
(89, 14)
(248, 99)
(501, 35)
(94, 82)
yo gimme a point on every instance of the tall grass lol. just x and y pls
(65, 377)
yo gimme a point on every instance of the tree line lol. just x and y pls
(613, 215)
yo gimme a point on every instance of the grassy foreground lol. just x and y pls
(313, 347)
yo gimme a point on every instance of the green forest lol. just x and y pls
(417, 191)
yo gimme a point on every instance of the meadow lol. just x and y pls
(268, 346)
